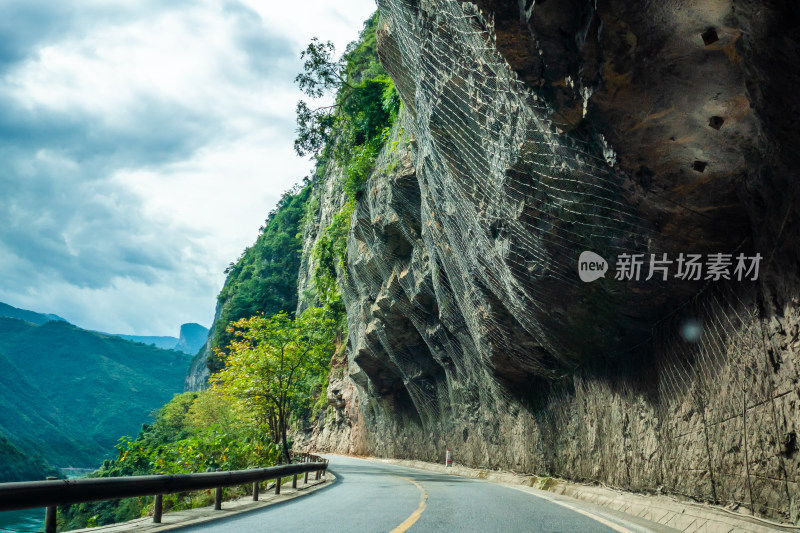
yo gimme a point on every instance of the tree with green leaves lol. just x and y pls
(321, 75)
(274, 366)
(193, 432)
(365, 101)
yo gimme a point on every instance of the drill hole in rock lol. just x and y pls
(699, 166)
(716, 122)
(709, 36)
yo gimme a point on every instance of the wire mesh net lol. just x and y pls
(470, 330)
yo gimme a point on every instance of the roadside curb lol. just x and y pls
(666, 511)
(190, 517)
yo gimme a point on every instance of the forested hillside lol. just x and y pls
(264, 279)
(69, 394)
(16, 465)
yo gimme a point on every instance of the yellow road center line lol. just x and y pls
(608, 523)
(408, 522)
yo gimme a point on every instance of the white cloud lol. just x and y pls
(339, 22)
(145, 146)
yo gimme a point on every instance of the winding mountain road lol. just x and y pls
(370, 496)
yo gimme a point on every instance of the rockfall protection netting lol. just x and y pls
(469, 326)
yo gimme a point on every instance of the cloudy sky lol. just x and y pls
(142, 144)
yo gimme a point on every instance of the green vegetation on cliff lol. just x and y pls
(351, 132)
(264, 279)
(353, 129)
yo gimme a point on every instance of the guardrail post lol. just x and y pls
(255, 491)
(158, 508)
(278, 486)
(50, 515)
(218, 495)
(50, 519)
(294, 481)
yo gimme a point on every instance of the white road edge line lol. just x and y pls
(608, 523)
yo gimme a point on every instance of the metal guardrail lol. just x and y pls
(55, 492)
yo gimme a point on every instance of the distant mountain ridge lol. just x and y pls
(163, 342)
(28, 316)
(192, 336)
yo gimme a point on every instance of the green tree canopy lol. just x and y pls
(365, 101)
(275, 365)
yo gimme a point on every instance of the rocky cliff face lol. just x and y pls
(533, 131)
(198, 373)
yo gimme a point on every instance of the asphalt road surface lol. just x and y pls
(371, 497)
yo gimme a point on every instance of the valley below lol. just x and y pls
(70, 394)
